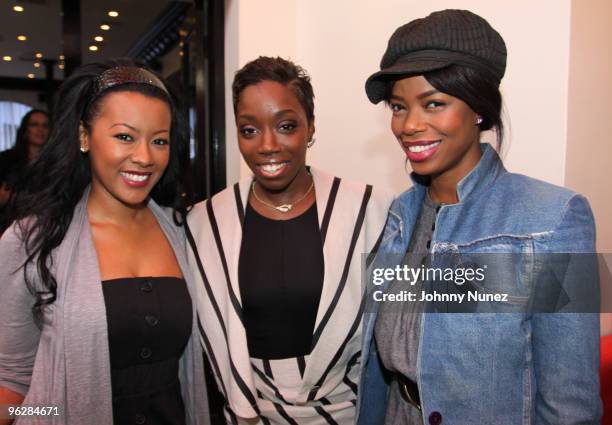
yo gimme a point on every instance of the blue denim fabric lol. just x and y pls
(497, 369)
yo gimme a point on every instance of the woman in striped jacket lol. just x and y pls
(277, 258)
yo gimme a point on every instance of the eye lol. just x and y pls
(287, 127)
(396, 107)
(161, 142)
(247, 131)
(124, 137)
(434, 104)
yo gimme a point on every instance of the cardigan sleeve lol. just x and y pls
(566, 345)
(19, 334)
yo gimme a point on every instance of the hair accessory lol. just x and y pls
(444, 38)
(284, 208)
(120, 75)
(311, 142)
(479, 120)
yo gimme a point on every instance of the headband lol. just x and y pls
(120, 75)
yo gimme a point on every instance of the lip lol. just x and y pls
(135, 183)
(270, 175)
(420, 156)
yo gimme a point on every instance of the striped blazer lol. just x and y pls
(320, 388)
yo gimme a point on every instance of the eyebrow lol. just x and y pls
(135, 129)
(276, 114)
(419, 96)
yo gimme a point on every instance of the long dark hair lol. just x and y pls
(44, 201)
(21, 140)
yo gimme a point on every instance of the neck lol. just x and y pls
(443, 187)
(33, 151)
(292, 192)
(102, 208)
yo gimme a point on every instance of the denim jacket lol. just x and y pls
(498, 369)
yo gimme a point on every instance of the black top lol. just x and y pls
(149, 324)
(280, 273)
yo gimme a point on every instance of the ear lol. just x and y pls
(83, 138)
(311, 130)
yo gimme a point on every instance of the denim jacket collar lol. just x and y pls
(482, 176)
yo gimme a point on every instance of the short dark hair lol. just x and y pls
(283, 71)
(476, 88)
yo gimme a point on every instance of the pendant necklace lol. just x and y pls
(284, 208)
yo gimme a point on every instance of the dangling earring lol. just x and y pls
(311, 142)
(83, 149)
(479, 120)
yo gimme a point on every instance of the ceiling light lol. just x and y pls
(18, 8)
(62, 57)
(113, 13)
(22, 38)
(99, 38)
(36, 64)
(38, 55)
(104, 27)
(93, 48)
(61, 66)
(7, 58)
(30, 75)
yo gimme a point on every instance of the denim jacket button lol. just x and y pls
(435, 418)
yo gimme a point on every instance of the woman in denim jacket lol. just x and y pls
(440, 76)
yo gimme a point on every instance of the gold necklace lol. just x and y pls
(284, 208)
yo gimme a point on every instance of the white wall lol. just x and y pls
(340, 44)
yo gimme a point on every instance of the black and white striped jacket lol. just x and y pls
(320, 388)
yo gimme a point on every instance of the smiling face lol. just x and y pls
(438, 132)
(37, 129)
(128, 146)
(273, 133)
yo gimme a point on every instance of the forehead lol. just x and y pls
(37, 116)
(132, 105)
(268, 96)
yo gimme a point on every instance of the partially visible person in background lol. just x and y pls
(31, 136)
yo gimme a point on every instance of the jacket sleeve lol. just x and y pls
(566, 345)
(19, 334)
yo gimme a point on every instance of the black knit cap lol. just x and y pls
(444, 38)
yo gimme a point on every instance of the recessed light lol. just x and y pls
(31, 75)
(38, 55)
(104, 27)
(18, 8)
(99, 38)
(36, 64)
(113, 13)
(7, 58)
(62, 57)
(93, 48)
(61, 66)
(22, 38)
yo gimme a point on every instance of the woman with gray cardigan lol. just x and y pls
(97, 322)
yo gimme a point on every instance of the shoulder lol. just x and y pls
(538, 200)
(221, 203)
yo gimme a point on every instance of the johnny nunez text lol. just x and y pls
(435, 296)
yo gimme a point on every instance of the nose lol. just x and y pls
(141, 154)
(414, 122)
(269, 143)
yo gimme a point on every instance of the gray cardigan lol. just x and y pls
(66, 364)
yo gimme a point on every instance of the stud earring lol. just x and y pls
(479, 120)
(311, 142)
(83, 149)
